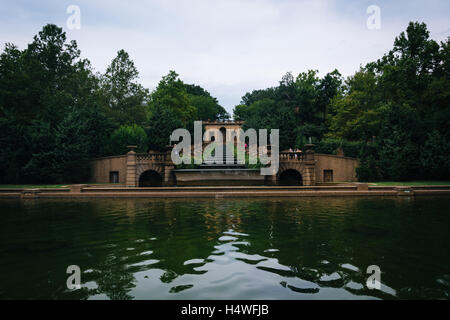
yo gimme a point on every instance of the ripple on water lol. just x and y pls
(235, 233)
(273, 264)
(194, 261)
(350, 267)
(333, 280)
(388, 290)
(145, 253)
(330, 277)
(227, 238)
(241, 243)
(225, 247)
(222, 249)
(146, 263)
(271, 250)
(305, 287)
(180, 288)
(221, 259)
(354, 285)
(247, 258)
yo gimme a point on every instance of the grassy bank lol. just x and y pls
(32, 186)
(39, 186)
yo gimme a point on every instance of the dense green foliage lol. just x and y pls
(124, 136)
(208, 107)
(298, 107)
(124, 99)
(163, 122)
(56, 113)
(393, 114)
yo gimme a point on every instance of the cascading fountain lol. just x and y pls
(223, 172)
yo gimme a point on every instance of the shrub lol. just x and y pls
(126, 136)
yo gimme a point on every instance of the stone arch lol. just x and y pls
(290, 177)
(142, 168)
(150, 178)
(223, 131)
(291, 171)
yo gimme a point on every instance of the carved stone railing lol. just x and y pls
(152, 157)
(165, 157)
(292, 156)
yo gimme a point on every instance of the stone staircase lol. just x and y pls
(227, 159)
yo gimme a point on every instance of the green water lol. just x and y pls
(310, 248)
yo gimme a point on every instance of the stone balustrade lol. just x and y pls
(156, 157)
(292, 156)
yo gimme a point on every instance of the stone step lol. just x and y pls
(225, 161)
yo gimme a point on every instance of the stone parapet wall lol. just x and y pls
(344, 168)
(101, 167)
(310, 165)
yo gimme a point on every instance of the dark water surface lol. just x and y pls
(309, 248)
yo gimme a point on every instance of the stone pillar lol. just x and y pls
(271, 180)
(168, 176)
(362, 187)
(131, 167)
(168, 166)
(309, 152)
(309, 178)
(77, 188)
(310, 166)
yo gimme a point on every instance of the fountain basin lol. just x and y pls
(219, 177)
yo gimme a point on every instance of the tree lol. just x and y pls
(56, 113)
(266, 114)
(241, 112)
(434, 156)
(393, 113)
(207, 107)
(328, 88)
(408, 69)
(38, 81)
(298, 107)
(50, 109)
(62, 154)
(162, 123)
(251, 97)
(171, 93)
(125, 99)
(356, 111)
(124, 136)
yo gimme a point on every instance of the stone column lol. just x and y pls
(131, 167)
(271, 180)
(309, 178)
(309, 152)
(310, 166)
(77, 188)
(168, 176)
(168, 166)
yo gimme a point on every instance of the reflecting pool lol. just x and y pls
(307, 248)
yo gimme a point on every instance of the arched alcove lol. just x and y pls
(150, 178)
(290, 177)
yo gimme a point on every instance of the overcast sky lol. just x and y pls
(228, 47)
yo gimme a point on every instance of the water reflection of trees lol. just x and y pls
(329, 242)
(314, 237)
(317, 237)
